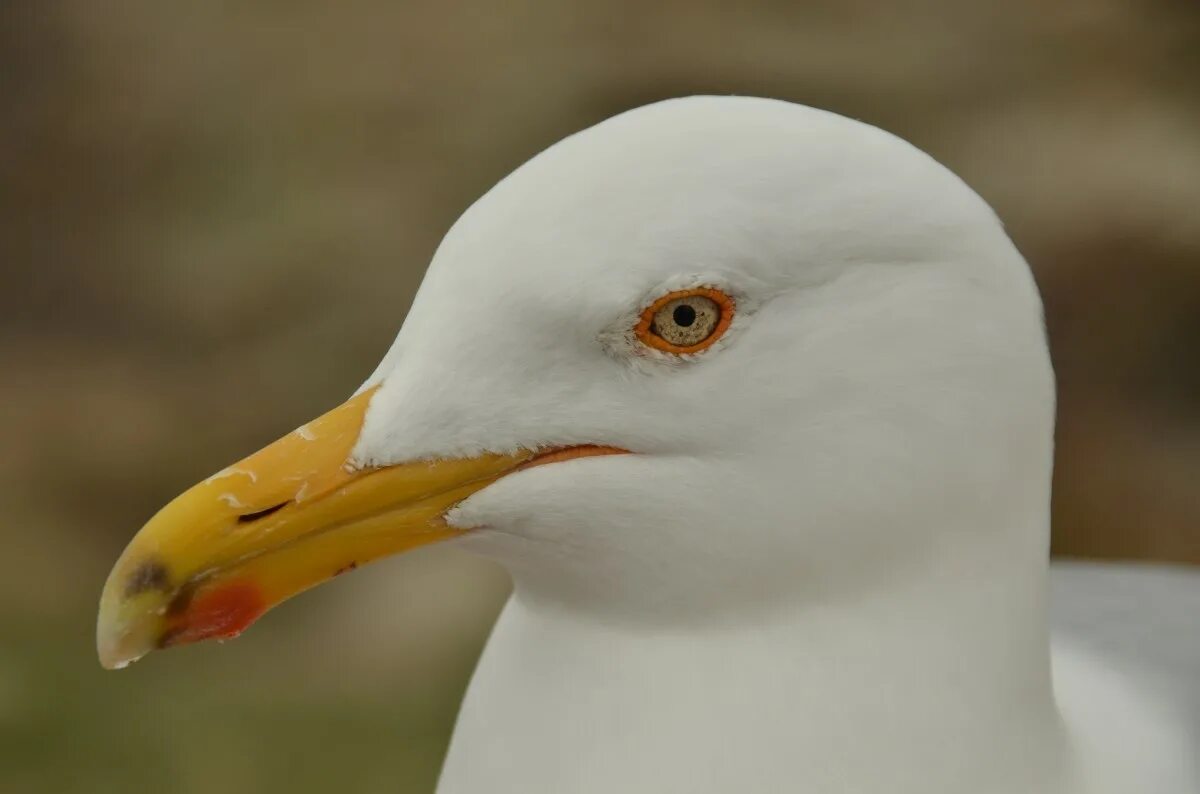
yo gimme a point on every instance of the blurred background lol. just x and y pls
(214, 216)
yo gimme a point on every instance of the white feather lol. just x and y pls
(824, 569)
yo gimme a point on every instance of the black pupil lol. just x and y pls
(684, 315)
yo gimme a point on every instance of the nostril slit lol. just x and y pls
(248, 517)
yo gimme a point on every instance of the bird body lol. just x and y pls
(818, 561)
(848, 698)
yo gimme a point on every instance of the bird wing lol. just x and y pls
(1143, 620)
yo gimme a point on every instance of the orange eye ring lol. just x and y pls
(646, 332)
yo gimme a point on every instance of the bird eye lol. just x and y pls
(686, 321)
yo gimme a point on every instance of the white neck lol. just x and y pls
(936, 683)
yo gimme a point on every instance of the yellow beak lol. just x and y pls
(279, 522)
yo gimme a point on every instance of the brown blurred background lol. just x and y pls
(215, 214)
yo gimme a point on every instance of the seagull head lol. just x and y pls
(713, 356)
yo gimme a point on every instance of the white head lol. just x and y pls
(883, 392)
(872, 430)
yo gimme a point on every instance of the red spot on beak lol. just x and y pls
(225, 612)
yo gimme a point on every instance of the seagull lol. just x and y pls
(754, 403)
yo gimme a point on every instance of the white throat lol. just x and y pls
(934, 684)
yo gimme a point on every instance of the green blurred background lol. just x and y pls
(214, 217)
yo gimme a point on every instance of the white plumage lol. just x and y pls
(821, 565)
(826, 568)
